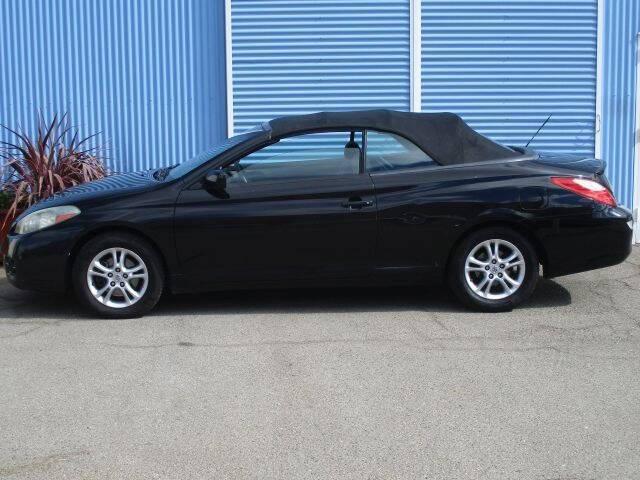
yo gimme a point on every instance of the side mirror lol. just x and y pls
(216, 182)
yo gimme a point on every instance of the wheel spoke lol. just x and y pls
(100, 266)
(489, 286)
(495, 248)
(482, 284)
(513, 282)
(107, 297)
(100, 292)
(504, 285)
(511, 257)
(125, 295)
(474, 269)
(98, 274)
(475, 261)
(130, 290)
(134, 269)
(114, 257)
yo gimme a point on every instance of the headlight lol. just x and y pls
(45, 218)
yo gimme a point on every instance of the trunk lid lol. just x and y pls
(575, 165)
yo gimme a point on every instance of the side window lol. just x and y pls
(301, 157)
(386, 151)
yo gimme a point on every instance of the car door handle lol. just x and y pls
(357, 203)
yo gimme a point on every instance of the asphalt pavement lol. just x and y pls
(367, 383)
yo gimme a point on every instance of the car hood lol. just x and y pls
(114, 185)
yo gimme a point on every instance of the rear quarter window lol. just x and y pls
(389, 152)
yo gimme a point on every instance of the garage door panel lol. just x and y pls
(506, 66)
(291, 57)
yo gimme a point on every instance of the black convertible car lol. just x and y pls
(349, 198)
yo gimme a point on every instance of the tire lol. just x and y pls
(508, 286)
(139, 270)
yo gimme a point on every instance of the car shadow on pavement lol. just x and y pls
(16, 303)
(548, 294)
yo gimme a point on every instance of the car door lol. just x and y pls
(299, 209)
(413, 216)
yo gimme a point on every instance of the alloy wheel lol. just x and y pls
(117, 277)
(494, 269)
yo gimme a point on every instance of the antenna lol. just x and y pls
(541, 127)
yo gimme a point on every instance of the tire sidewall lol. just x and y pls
(135, 244)
(458, 281)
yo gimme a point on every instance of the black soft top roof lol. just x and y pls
(444, 136)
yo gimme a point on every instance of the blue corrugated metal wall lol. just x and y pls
(304, 56)
(621, 26)
(150, 74)
(506, 65)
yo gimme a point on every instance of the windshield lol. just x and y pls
(203, 157)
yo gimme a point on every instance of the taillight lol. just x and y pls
(586, 188)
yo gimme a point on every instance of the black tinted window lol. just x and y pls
(300, 157)
(386, 151)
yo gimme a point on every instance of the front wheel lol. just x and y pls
(118, 275)
(493, 270)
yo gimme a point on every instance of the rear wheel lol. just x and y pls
(118, 275)
(494, 269)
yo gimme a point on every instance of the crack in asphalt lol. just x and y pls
(36, 325)
(285, 343)
(39, 463)
(22, 334)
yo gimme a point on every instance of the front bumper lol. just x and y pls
(40, 260)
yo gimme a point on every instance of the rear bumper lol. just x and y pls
(588, 242)
(38, 261)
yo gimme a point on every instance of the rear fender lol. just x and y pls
(521, 222)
